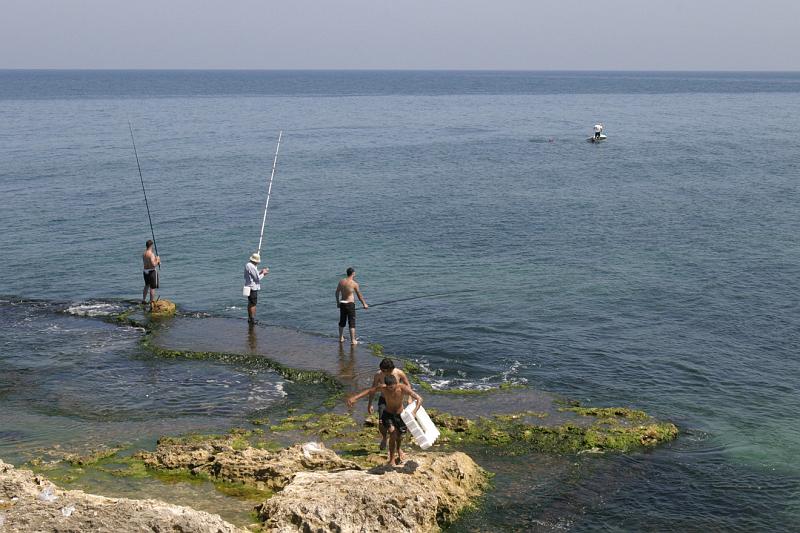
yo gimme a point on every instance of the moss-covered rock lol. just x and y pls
(162, 309)
(512, 434)
(608, 412)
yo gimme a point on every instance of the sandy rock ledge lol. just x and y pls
(429, 490)
(29, 502)
(220, 460)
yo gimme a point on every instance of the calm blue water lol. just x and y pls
(658, 270)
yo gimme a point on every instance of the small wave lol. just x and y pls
(435, 377)
(93, 309)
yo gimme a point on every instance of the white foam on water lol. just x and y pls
(261, 395)
(93, 309)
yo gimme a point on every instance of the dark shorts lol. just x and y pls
(252, 298)
(151, 279)
(391, 419)
(347, 314)
(381, 405)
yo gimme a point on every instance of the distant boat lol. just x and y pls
(600, 138)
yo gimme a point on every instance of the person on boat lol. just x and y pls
(150, 262)
(346, 291)
(598, 129)
(391, 419)
(252, 281)
(387, 368)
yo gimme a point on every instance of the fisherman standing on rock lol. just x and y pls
(252, 284)
(346, 291)
(150, 272)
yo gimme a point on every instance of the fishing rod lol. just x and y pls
(143, 191)
(269, 191)
(423, 296)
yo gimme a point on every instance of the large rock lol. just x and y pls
(29, 502)
(220, 459)
(428, 492)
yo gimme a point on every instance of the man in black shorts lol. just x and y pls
(151, 263)
(346, 291)
(386, 368)
(391, 417)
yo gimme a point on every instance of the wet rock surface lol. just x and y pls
(427, 492)
(29, 502)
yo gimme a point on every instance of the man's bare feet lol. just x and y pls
(341, 339)
(391, 460)
(401, 457)
(382, 445)
(353, 342)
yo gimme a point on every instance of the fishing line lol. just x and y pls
(143, 191)
(423, 296)
(269, 191)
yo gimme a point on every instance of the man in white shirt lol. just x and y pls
(252, 281)
(598, 129)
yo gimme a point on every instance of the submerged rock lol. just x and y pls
(32, 503)
(229, 459)
(426, 493)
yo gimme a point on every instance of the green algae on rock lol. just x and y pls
(515, 435)
(28, 511)
(251, 361)
(325, 424)
(222, 460)
(608, 412)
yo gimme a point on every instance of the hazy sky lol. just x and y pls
(401, 34)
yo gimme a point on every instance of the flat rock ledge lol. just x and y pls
(429, 491)
(222, 460)
(29, 502)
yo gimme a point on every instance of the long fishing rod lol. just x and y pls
(153, 233)
(269, 191)
(419, 297)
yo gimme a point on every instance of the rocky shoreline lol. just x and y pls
(290, 479)
(30, 502)
(316, 491)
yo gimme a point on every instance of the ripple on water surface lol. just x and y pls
(74, 379)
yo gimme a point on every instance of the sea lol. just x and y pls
(658, 270)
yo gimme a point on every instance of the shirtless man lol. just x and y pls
(151, 261)
(386, 369)
(391, 419)
(346, 292)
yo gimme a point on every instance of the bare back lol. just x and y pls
(149, 259)
(347, 290)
